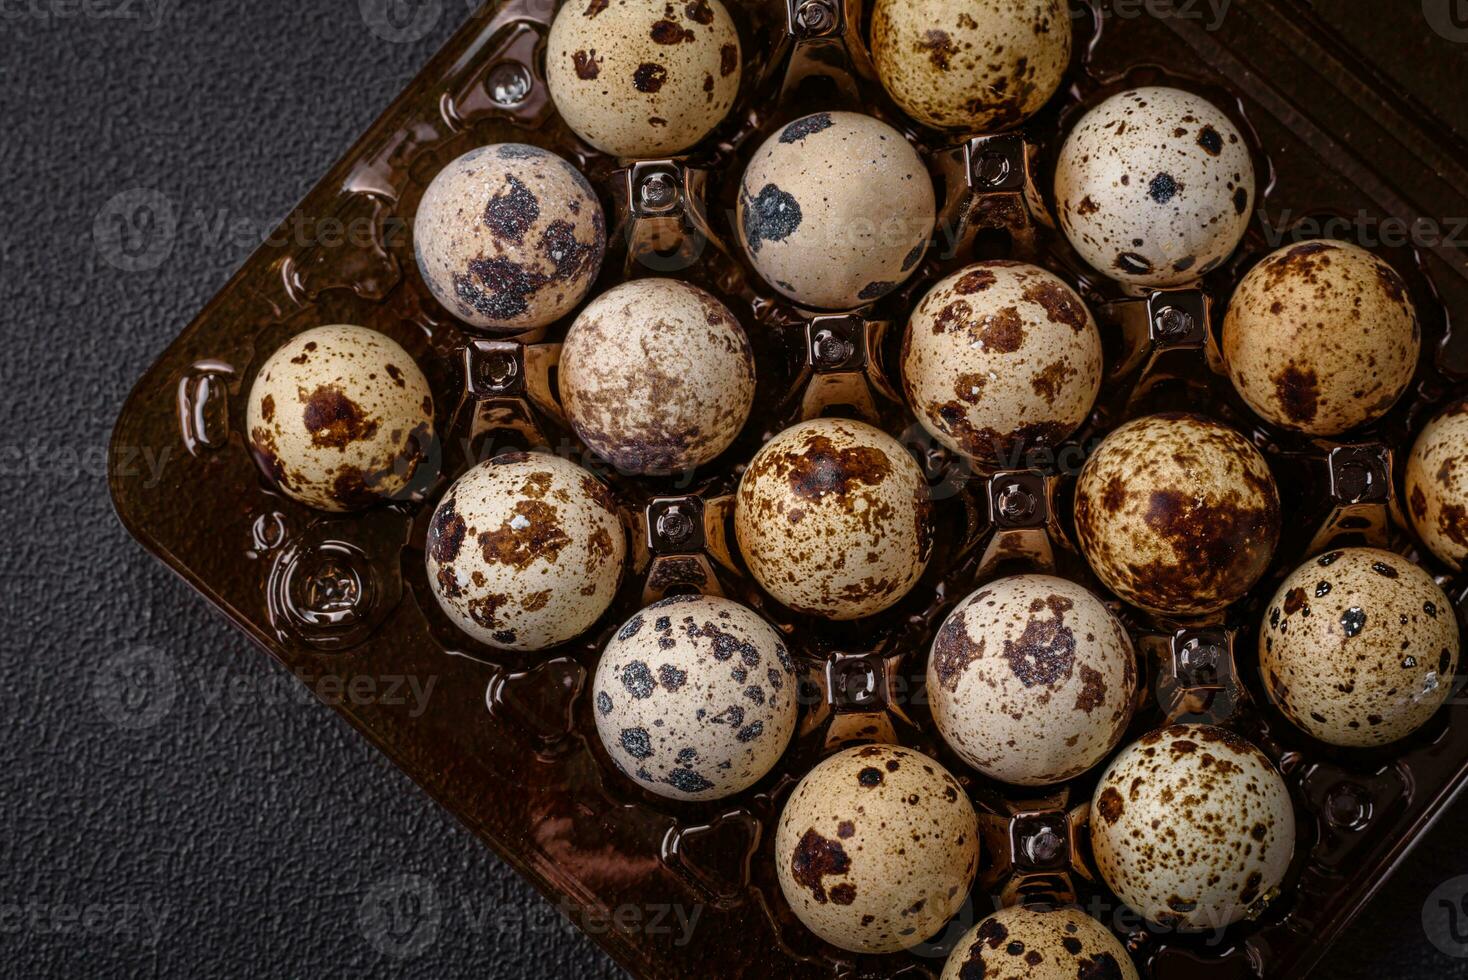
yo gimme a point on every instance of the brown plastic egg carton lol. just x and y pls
(508, 743)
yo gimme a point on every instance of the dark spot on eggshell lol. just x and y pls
(667, 32)
(940, 48)
(1384, 570)
(446, 533)
(1163, 189)
(510, 213)
(809, 126)
(1093, 690)
(974, 282)
(595, 7)
(1294, 601)
(1241, 200)
(671, 677)
(1060, 304)
(688, 781)
(636, 742)
(773, 216)
(870, 776)
(821, 468)
(267, 408)
(649, 77)
(638, 680)
(699, 12)
(1110, 804)
(876, 290)
(333, 419)
(814, 859)
(1045, 651)
(843, 894)
(953, 651)
(1002, 331)
(1210, 141)
(1353, 621)
(1134, 264)
(533, 533)
(728, 60)
(588, 65)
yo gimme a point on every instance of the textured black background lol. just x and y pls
(241, 832)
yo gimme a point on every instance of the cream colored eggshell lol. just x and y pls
(975, 65)
(695, 697)
(1193, 828)
(1177, 514)
(509, 237)
(877, 848)
(657, 376)
(643, 78)
(1026, 943)
(1437, 485)
(525, 551)
(1321, 337)
(1154, 187)
(340, 417)
(833, 519)
(1032, 680)
(1001, 357)
(1359, 647)
(835, 210)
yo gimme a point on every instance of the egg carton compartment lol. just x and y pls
(509, 743)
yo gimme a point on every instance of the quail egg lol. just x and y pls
(1155, 187)
(1036, 943)
(832, 518)
(1321, 337)
(1437, 486)
(510, 237)
(525, 551)
(695, 697)
(1359, 647)
(340, 418)
(657, 376)
(1032, 680)
(1177, 514)
(639, 78)
(835, 210)
(1193, 828)
(1001, 358)
(972, 66)
(877, 848)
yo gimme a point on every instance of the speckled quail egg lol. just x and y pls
(833, 519)
(510, 237)
(695, 697)
(340, 418)
(1031, 943)
(1155, 187)
(1193, 828)
(1032, 680)
(1321, 337)
(973, 66)
(1177, 514)
(1359, 647)
(525, 551)
(877, 848)
(1437, 486)
(657, 376)
(1001, 358)
(643, 78)
(835, 210)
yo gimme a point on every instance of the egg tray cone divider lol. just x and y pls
(508, 744)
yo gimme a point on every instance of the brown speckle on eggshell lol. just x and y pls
(657, 376)
(340, 418)
(1359, 647)
(509, 237)
(525, 551)
(1177, 514)
(877, 848)
(1001, 358)
(975, 66)
(1321, 337)
(1192, 826)
(641, 79)
(833, 519)
(1032, 680)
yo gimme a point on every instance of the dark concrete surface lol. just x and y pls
(243, 831)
